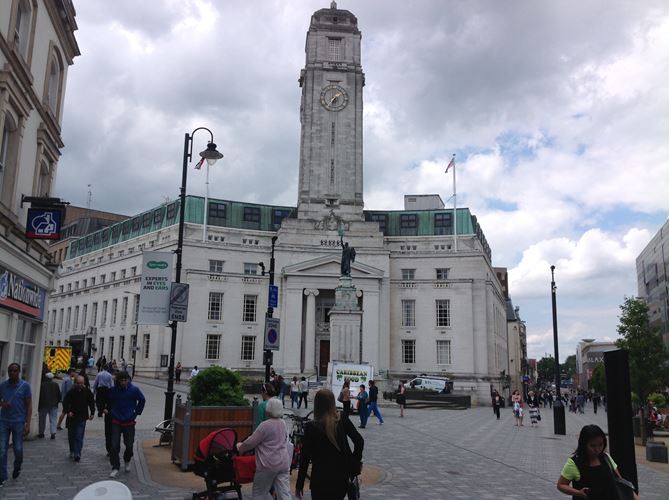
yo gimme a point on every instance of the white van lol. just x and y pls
(442, 385)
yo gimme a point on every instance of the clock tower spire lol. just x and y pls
(330, 177)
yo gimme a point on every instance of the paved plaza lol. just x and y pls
(429, 454)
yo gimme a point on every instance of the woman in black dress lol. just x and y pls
(325, 445)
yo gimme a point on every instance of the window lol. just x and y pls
(216, 216)
(94, 314)
(382, 219)
(250, 303)
(54, 83)
(334, 49)
(248, 348)
(250, 268)
(146, 220)
(67, 320)
(443, 312)
(278, 215)
(216, 266)
(213, 347)
(112, 276)
(443, 223)
(443, 352)
(61, 288)
(158, 215)
(408, 351)
(252, 214)
(121, 346)
(133, 271)
(124, 310)
(136, 223)
(125, 228)
(69, 287)
(215, 311)
(172, 210)
(84, 313)
(76, 318)
(442, 273)
(103, 319)
(76, 285)
(122, 270)
(92, 281)
(111, 347)
(61, 317)
(102, 346)
(147, 345)
(408, 220)
(8, 154)
(103, 278)
(53, 321)
(43, 180)
(408, 313)
(408, 274)
(22, 29)
(135, 314)
(113, 311)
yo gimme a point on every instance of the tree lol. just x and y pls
(599, 379)
(217, 386)
(546, 368)
(648, 356)
(569, 366)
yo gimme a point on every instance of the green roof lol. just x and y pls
(259, 217)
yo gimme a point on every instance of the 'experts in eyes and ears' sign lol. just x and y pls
(154, 296)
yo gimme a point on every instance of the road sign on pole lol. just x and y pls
(179, 302)
(272, 333)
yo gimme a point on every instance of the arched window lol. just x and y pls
(8, 149)
(44, 179)
(54, 82)
(22, 27)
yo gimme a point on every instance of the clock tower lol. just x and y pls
(330, 178)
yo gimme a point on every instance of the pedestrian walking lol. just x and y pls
(595, 402)
(266, 393)
(79, 407)
(533, 405)
(294, 392)
(590, 470)
(102, 387)
(87, 383)
(49, 397)
(194, 371)
(272, 454)
(362, 398)
(517, 402)
(326, 446)
(401, 397)
(177, 373)
(281, 389)
(373, 406)
(68, 383)
(345, 398)
(496, 403)
(303, 387)
(15, 414)
(126, 402)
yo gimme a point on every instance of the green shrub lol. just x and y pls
(658, 400)
(217, 386)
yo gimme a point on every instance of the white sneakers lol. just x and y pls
(126, 467)
(113, 473)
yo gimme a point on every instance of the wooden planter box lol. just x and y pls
(194, 423)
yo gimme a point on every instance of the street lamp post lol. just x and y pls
(134, 346)
(267, 358)
(211, 154)
(558, 407)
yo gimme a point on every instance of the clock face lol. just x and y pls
(334, 98)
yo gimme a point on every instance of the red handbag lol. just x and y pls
(244, 467)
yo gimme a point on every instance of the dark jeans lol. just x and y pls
(303, 397)
(347, 408)
(496, 410)
(102, 398)
(75, 435)
(293, 398)
(128, 433)
(16, 431)
(108, 432)
(373, 408)
(364, 414)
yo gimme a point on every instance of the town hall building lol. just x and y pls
(430, 304)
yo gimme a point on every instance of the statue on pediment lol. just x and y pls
(347, 255)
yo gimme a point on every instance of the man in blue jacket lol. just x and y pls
(125, 402)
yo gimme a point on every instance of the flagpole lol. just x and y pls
(455, 211)
(206, 205)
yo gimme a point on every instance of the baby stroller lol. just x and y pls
(213, 462)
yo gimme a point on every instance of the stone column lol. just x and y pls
(291, 333)
(310, 332)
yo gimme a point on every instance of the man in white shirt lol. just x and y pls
(194, 372)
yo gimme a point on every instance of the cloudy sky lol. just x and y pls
(557, 111)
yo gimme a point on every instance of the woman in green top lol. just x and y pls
(267, 392)
(590, 470)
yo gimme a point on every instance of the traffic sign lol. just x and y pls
(179, 302)
(272, 333)
(273, 298)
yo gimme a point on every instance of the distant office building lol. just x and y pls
(652, 268)
(37, 45)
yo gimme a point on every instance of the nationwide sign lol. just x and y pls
(154, 295)
(44, 223)
(22, 295)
